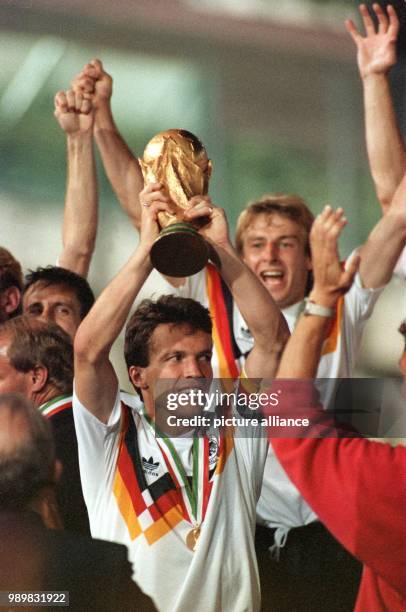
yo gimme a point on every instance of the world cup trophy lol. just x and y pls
(177, 159)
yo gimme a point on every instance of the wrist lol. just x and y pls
(103, 115)
(374, 77)
(142, 260)
(80, 136)
(226, 246)
(323, 298)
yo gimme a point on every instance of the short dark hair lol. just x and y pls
(150, 314)
(54, 275)
(402, 329)
(35, 342)
(290, 206)
(10, 271)
(29, 466)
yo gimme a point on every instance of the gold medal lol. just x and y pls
(192, 538)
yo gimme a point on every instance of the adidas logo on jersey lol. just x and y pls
(150, 466)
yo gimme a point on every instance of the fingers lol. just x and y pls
(83, 83)
(97, 65)
(393, 28)
(327, 226)
(86, 106)
(72, 101)
(153, 193)
(367, 20)
(388, 22)
(155, 207)
(60, 101)
(197, 199)
(200, 206)
(352, 30)
(383, 20)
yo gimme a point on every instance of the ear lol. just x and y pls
(38, 378)
(309, 265)
(209, 169)
(10, 299)
(137, 377)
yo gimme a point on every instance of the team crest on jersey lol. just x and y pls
(150, 466)
(213, 452)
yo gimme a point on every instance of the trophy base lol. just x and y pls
(179, 251)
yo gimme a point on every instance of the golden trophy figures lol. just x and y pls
(178, 160)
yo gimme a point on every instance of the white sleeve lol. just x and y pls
(251, 439)
(97, 446)
(194, 287)
(400, 269)
(360, 301)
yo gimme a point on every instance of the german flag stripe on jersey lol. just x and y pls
(330, 343)
(150, 510)
(222, 336)
(154, 509)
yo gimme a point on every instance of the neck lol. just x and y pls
(47, 394)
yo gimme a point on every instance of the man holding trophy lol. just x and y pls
(174, 501)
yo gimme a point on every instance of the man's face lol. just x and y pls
(53, 304)
(181, 355)
(274, 248)
(11, 380)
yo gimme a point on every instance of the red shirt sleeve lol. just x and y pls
(355, 486)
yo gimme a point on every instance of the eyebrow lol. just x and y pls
(68, 302)
(208, 351)
(263, 237)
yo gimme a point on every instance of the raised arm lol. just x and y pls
(261, 314)
(301, 356)
(121, 165)
(95, 379)
(75, 116)
(376, 54)
(385, 243)
(352, 484)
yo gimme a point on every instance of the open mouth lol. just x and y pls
(271, 275)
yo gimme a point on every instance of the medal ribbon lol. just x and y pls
(195, 497)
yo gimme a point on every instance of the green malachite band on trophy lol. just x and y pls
(176, 227)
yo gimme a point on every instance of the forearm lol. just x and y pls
(301, 357)
(122, 167)
(263, 317)
(80, 215)
(103, 324)
(386, 151)
(382, 250)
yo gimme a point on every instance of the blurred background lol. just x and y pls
(271, 88)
